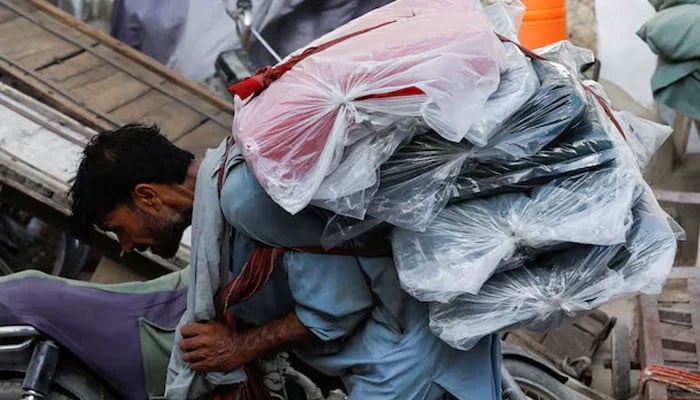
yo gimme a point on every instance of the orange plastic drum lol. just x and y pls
(544, 23)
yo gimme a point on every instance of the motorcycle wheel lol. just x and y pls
(28, 243)
(11, 389)
(538, 384)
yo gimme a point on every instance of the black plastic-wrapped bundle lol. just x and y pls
(426, 173)
(561, 284)
(556, 106)
(468, 242)
(582, 147)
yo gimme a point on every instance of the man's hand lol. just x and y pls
(213, 346)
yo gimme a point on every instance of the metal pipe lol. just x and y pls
(13, 331)
(41, 370)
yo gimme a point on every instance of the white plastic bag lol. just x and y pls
(424, 174)
(518, 83)
(405, 66)
(560, 285)
(469, 241)
(644, 137)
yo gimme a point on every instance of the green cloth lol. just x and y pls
(156, 341)
(674, 35)
(664, 4)
(156, 345)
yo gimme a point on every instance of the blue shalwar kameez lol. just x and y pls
(372, 334)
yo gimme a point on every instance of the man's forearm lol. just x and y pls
(213, 346)
(278, 334)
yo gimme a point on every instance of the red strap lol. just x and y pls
(522, 48)
(266, 75)
(607, 110)
(262, 263)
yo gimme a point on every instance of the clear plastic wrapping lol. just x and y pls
(403, 67)
(584, 146)
(568, 55)
(558, 104)
(469, 241)
(505, 16)
(644, 137)
(351, 186)
(560, 284)
(530, 147)
(518, 84)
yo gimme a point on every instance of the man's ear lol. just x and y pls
(147, 197)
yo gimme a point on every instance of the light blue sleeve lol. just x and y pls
(332, 294)
(251, 211)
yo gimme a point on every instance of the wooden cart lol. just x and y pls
(101, 82)
(670, 331)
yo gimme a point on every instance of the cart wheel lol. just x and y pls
(620, 361)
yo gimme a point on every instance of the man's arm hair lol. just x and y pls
(282, 333)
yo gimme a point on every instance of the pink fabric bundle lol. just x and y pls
(430, 62)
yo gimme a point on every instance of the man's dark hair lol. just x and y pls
(114, 162)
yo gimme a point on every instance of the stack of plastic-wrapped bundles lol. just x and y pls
(516, 195)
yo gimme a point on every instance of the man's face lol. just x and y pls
(138, 229)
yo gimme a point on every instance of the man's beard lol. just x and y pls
(167, 236)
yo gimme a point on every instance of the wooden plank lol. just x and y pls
(675, 291)
(673, 196)
(224, 118)
(651, 350)
(694, 293)
(90, 76)
(173, 118)
(53, 97)
(678, 345)
(202, 138)
(7, 15)
(111, 92)
(684, 273)
(49, 119)
(141, 58)
(674, 317)
(49, 23)
(72, 67)
(162, 84)
(64, 29)
(680, 135)
(27, 43)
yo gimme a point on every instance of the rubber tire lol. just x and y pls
(11, 389)
(619, 343)
(534, 376)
